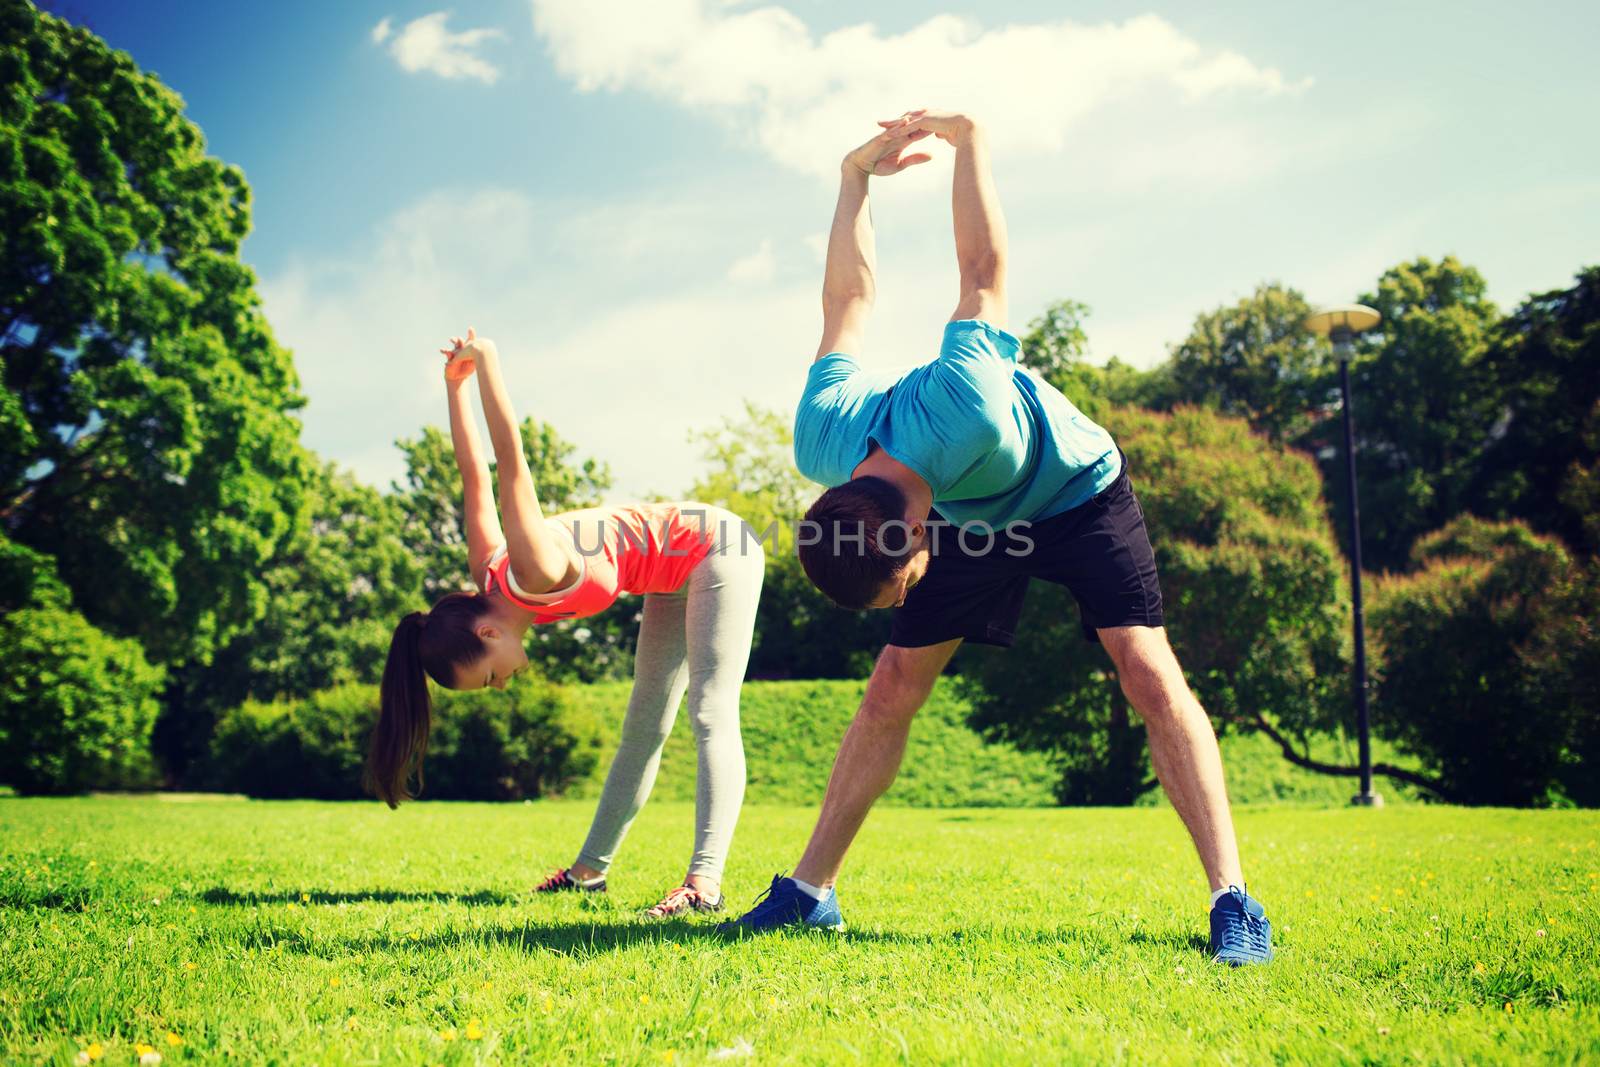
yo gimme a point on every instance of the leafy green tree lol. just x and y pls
(1057, 342)
(1543, 463)
(799, 634)
(1487, 655)
(430, 504)
(1254, 593)
(335, 594)
(1425, 402)
(1256, 360)
(430, 495)
(1561, 661)
(1056, 346)
(150, 448)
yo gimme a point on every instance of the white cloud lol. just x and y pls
(818, 243)
(763, 73)
(425, 44)
(625, 349)
(758, 267)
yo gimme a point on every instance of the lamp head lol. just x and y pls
(1340, 323)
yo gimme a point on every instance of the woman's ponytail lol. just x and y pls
(427, 644)
(404, 717)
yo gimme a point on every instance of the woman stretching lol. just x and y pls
(700, 574)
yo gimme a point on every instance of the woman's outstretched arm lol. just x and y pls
(478, 515)
(538, 561)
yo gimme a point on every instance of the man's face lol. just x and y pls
(893, 593)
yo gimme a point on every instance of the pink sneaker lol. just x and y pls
(562, 881)
(682, 900)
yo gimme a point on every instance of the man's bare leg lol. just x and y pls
(869, 756)
(1183, 746)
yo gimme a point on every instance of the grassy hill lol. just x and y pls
(792, 729)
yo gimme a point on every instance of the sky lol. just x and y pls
(632, 198)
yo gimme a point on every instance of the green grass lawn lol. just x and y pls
(344, 933)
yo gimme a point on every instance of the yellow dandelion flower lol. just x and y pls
(413, 935)
(1309, 894)
(141, 1048)
(644, 998)
(474, 1031)
(290, 906)
(667, 1055)
(548, 1003)
(305, 898)
(191, 967)
(351, 1024)
(447, 1034)
(173, 1039)
(96, 1050)
(1508, 1007)
(1479, 968)
(487, 986)
(334, 982)
(193, 910)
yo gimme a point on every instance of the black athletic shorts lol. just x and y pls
(975, 584)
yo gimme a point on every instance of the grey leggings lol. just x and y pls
(697, 639)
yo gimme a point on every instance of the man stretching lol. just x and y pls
(1025, 487)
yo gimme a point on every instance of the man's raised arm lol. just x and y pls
(848, 287)
(980, 226)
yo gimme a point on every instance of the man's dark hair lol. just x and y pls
(845, 550)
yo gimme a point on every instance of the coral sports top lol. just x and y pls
(630, 548)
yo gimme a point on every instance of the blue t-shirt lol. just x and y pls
(996, 443)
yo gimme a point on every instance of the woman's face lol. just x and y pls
(505, 657)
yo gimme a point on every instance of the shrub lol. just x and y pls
(1487, 656)
(76, 705)
(312, 747)
(525, 742)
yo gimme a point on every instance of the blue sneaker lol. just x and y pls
(786, 904)
(1240, 932)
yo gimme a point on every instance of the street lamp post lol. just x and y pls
(1340, 324)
